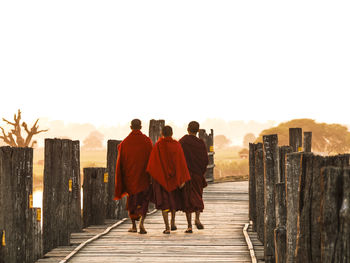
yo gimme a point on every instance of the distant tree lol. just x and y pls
(20, 141)
(221, 141)
(248, 138)
(93, 140)
(327, 138)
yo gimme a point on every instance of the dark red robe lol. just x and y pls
(197, 160)
(131, 177)
(168, 169)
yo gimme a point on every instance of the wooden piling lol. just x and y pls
(252, 184)
(61, 193)
(295, 139)
(304, 222)
(37, 237)
(260, 207)
(280, 244)
(74, 197)
(335, 215)
(155, 129)
(307, 141)
(293, 171)
(16, 192)
(113, 207)
(283, 150)
(95, 190)
(209, 142)
(271, 166)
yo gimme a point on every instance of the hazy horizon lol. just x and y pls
(234, 130)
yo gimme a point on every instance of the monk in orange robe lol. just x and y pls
(168, 169)
(196, 156)
(131, 177)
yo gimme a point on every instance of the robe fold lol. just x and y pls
(131, 177)
(197, 160)
(168, 169)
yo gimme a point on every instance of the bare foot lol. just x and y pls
(142, 231)
(132, 230)
(199, 225)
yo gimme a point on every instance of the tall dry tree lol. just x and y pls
(14, 137)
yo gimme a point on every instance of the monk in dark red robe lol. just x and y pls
(131, 177)
(196, 156)
(168, 169)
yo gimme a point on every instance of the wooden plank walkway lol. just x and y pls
(222, 240)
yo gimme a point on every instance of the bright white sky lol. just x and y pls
(106, 62)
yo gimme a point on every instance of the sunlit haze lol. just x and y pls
(106, 62)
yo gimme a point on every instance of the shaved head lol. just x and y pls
(136, 124)
(167, 131)
(193, 127)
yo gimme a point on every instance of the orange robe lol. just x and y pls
(197, 160)
(168, 169)
(131, 177)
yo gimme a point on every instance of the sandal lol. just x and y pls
(166, 231)
(173, 228)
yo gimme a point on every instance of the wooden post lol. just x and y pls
(295, 139)
(335, 215)
(307, 141)
(293, 171)
(16, 192)
(252, 185)
(155, 129)
(61, 194)
(260, 207)
(280, 244)
(304, 222)
(74, 197)
(271, 167)
(37, 238)
(112, 155)
(209, 142)
(95, 189)
(283, 150)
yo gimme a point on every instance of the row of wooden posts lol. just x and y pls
(299, 202)
(22, 239)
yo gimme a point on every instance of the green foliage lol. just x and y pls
(327, 138)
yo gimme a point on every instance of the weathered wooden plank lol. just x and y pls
(293, 171)
(307, 141)
(115, 209)
(295, 139)
(95, 190)
(271, 166)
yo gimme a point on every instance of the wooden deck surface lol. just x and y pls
(222, 240)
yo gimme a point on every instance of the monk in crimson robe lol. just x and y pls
(196, 156)
(168, 169)
(131, 178)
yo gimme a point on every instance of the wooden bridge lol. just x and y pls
(222, 240)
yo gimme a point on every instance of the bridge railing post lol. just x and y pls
(115, 209)
(95, 191)
(271, 173)
(155, 129)
(61, 193)
(16, 206)
(295, 139)
(260, 192)
(209, 142)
